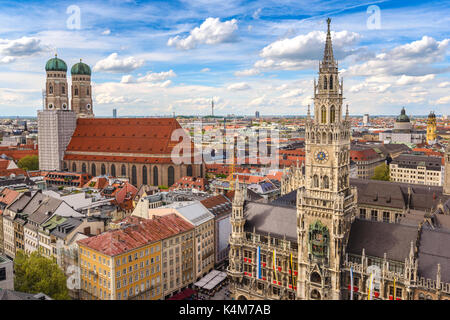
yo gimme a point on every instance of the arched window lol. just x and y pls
(144, 175)
(74, 167)
(63, 89)
(315, 181)
(133, 175)
(331, 82)
(103, 169)
(155, 176)
(76, 91)
(421, 296)
(201, 171)
(324, 114)
(315, 277)
(170, 176)
(93, 170)
(50, 89)
(83, 168)
(123, 171)
(332, 114)
(315, 294)
(189, 171)
(324, 82)
(87, 91)
(326, 182)
(113, 170)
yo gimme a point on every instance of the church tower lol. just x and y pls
(56, 97)
(431, 128)
(81, 90)
(326, 203)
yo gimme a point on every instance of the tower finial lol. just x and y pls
(328, 57)
(328, 22)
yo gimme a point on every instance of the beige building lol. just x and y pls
(203, 220)
(417, 169)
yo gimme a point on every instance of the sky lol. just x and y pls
(156, 58)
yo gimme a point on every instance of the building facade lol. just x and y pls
(417, 169)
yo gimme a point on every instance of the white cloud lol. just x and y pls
(444, 84)
(411, 59)
(240, 86)
(292, 93)
(114, 64)
(205, 70)
(247, 72)
(160, 76)
(443, 100)
(406, 80)
(106, 32)
(25, 46)
(127, 79)
(211, 31)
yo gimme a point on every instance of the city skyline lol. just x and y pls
(245, 56)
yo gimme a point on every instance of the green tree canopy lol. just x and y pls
(36, 273)
(381, 172)
(29, 163)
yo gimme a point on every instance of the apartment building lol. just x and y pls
(125, 263)
(7, 196)
(366, 160)
(417, 169)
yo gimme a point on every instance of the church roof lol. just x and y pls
(80, 68)
(141, 140)
(55, 64)
(402, 117)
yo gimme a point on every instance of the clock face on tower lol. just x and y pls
(321, 156)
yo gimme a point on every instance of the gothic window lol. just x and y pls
(324, 82)
(113, 170)
(123, 171)
(189, 171)
(87, 91)
(50, 89)
(315, 181)
(170, 176)
(331, 82)
(155, 175)
(324, 115)
(318, 239)
(74, 167)
(133, 175)
(326, 182)
(315, 277)
(63, 90)
(76, 91)
(332, 114)
(144, 175)
(83, 168)
(103, 169)
(201, 171)
(93, 170)
(315, 294)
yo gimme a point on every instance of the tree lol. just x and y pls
(28, 163)
(35, 273)
(381, 172)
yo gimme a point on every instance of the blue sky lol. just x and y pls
(160, 57)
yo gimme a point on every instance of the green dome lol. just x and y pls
(81, 69)
(403, 117)
(55, 64)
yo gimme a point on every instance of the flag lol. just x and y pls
(258, 262)
(394, 289)
(275, 263)
(351, 283)
(369, 296)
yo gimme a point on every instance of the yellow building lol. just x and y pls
(431, 128)
(125, 263)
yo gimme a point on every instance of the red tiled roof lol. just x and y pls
(4, 171)
(124, 135)
(138, 233)
(214, 201)
(363, 155)
(7, 196)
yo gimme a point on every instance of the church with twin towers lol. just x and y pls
(71, 139)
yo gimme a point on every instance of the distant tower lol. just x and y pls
(212, 107)
(257, 114)
(56, 123)
(431, 128)
(56, 97)
(81, 90)
(366, 119)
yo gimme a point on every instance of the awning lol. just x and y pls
(211, 280)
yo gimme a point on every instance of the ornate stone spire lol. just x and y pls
(328, 57)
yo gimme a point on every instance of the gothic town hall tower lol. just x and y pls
(326, 203)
